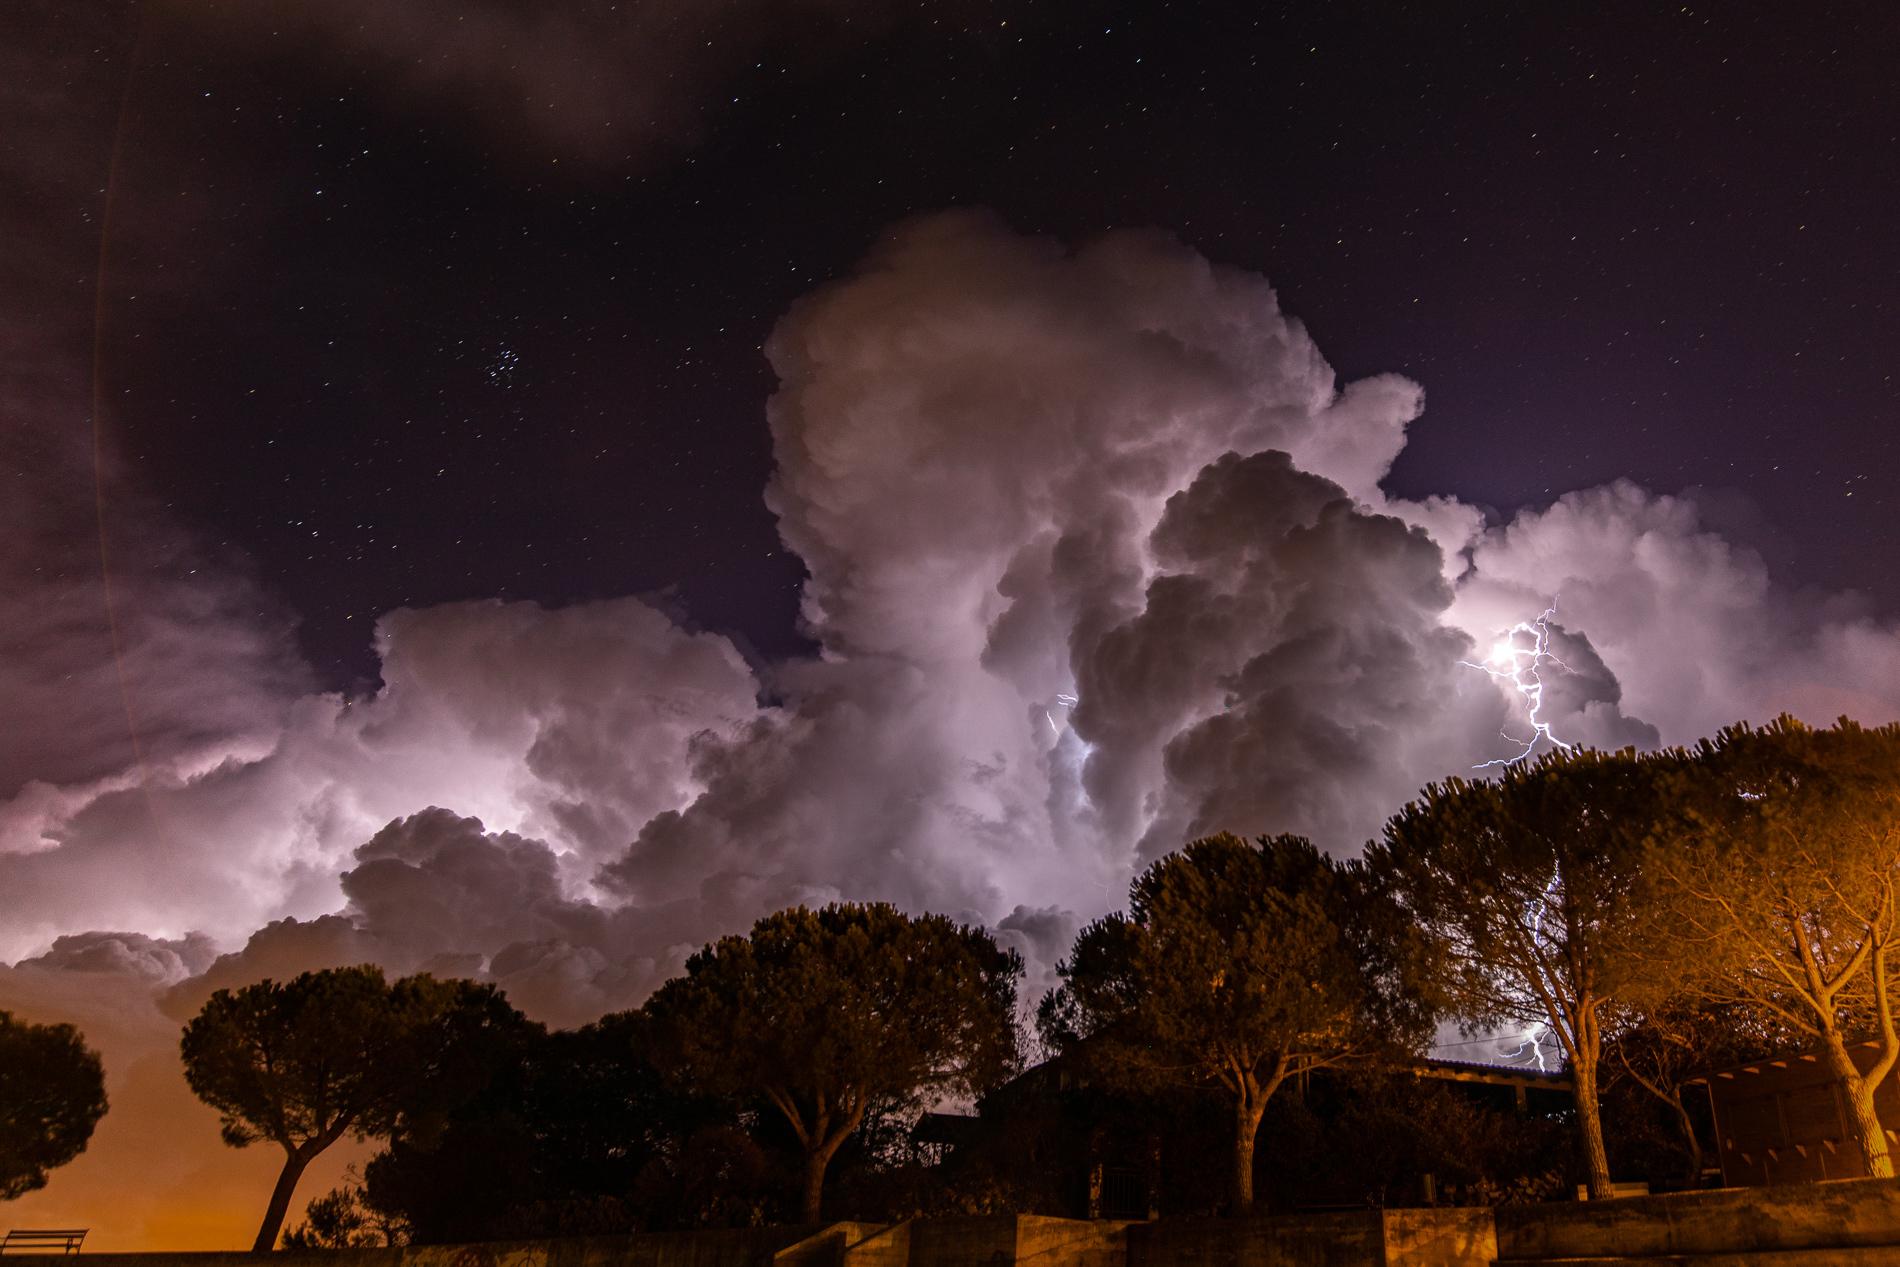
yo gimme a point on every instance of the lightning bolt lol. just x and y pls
(1532, 1039)
(1521, 666)
(1065, 701)
(1518, 658)
(1533, 1042)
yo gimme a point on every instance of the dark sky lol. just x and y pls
(383, 304)
(403, 338)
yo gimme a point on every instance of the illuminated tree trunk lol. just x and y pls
(822, 1141)
(1859, 1094)
(295, 1159)
(1596, 1161)
(816, 1161)
(1246, 1128)
(1250, 1105)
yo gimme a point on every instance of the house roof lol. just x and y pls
(1493, 1075)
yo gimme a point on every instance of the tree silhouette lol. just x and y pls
(1240, 966)
(345, 1218)
(551, 1140)
(52, 1093)
(831, 1014)
(303, 1063)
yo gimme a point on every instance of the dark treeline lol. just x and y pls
(1254, 1019)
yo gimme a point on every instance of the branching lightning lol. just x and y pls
(1532, 1039)
(1521, 665)
(1518, 658)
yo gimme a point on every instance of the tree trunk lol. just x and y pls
(294, 1162)
(1690, 1139)
(816, 1160)
(1248, 1111)
(1859, 1093)
(1596, 1162)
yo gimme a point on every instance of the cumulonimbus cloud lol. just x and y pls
(1099, 560)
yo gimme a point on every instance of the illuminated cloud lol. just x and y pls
(1687, 625)
(574, 726)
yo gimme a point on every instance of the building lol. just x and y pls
(1088, 1151)
(1783, 1120)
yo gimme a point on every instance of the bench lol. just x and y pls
(1639, 1188)
(64, 1239)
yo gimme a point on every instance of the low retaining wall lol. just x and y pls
(712, 1247)
(1834, 1214)
(1847, 1214)
(1045, 1242)
(1357, 1238)
(1440, 1238)
(1351, 1239)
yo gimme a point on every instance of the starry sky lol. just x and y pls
(415, 344)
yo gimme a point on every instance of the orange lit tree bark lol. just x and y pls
(1238, 966)
(1782, 892)
(1527, 886)
(834, 1014)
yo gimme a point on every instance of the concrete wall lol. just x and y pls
(879, 1247)
(1045, 1242)
(1440, 1238)
(836, 1244)
(971, 1241)
(1353, 1239)
(1840, 1213)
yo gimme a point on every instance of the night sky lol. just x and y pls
(517, 491)
(424, 343)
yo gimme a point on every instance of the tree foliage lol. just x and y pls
(570, 1132)
(830, 1014)
(303, 1063)
(1528, 886)
(1779, 890)
(1369, 1137)
(347, 1218)
(52, 1093)
(1239, 965)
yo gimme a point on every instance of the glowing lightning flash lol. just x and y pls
(1522, 667)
